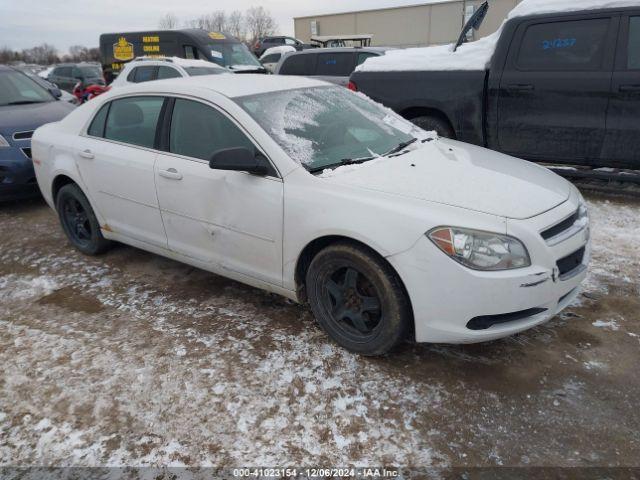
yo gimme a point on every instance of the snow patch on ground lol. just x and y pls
(13, 287)
(609, 325)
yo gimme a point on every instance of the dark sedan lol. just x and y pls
(24, 106)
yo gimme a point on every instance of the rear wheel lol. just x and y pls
(433, 123)
(79, 222)
(358, 299)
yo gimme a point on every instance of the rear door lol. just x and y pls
(554, 91)
(622, 144)
(335, 67)
(116, 160)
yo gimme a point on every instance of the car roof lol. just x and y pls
(182, 62)
(238, 85)
(341, 49)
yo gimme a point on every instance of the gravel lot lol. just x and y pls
(132, 359)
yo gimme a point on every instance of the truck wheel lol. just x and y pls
(431, 123)
(358, 299)
(79, 222)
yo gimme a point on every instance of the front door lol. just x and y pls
(622, 145)
(232, 220)
(116, 161)
(554, 91)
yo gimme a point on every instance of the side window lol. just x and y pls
(633, 48)
(190, 52)
(199, 131)
(290, 41)
(335, 64)
(64, 72)
(132, 75)
(277, 41)
(273, 58)
(564, 46)
(96, 129)
(144, 74)
(298, 65)
(363, 56)
(168, 72)
(134, 120)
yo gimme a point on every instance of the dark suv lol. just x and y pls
(333, 65)
(267, 42)
(66, 75)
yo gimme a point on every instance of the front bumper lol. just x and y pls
(447, 296)
(17, 177)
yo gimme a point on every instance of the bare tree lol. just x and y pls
(236, 25)
(44, 54)
(168, 22)
(78, 53)
(218, 21)
(259, 23)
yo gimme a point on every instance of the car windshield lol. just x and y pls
(326, 126)
(197, 71)
(17, 89)
(233, 55)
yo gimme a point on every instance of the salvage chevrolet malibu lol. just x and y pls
(321, 195)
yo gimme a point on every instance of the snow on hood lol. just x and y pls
(476, 55)
(280, 49)
(461, 175)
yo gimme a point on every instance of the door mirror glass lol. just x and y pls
(239, 159)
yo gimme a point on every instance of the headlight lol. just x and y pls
(481, 250)
(3, 142)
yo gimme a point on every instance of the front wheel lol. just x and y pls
(79, 222)
(358, 299)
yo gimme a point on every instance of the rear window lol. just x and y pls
(335, 64)
(564, 46)
(633, 49)
(299, 65)
(363, 56)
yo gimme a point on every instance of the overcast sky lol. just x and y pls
(26, 23)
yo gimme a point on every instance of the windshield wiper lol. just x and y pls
(23, 102)
(344, 161)
(400, 147)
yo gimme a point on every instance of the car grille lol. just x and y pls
(560, 227)
(23, 135)
(26, 151)
(569, 264)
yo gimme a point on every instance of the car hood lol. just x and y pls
(461, 175)
(19, 118)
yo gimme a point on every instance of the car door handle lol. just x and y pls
(629, 88)
(171, 174)
(87, 154)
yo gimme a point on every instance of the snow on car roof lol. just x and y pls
(183, 62)
(231, 86)
(477, 55)
(279, 49)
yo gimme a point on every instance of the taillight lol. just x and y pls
(257, 45)
(352, 86)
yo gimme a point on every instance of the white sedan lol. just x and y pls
(321, 195)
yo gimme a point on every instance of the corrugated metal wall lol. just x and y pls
(416, 25)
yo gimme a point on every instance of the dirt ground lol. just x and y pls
(133, 359)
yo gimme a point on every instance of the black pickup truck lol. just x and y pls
(560, 87)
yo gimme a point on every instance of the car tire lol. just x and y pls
(433, 123)
(358, 299)
(79, 222)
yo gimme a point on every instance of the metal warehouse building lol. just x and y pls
(430, 23)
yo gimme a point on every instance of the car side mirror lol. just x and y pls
(55, 91)
(240, 159)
